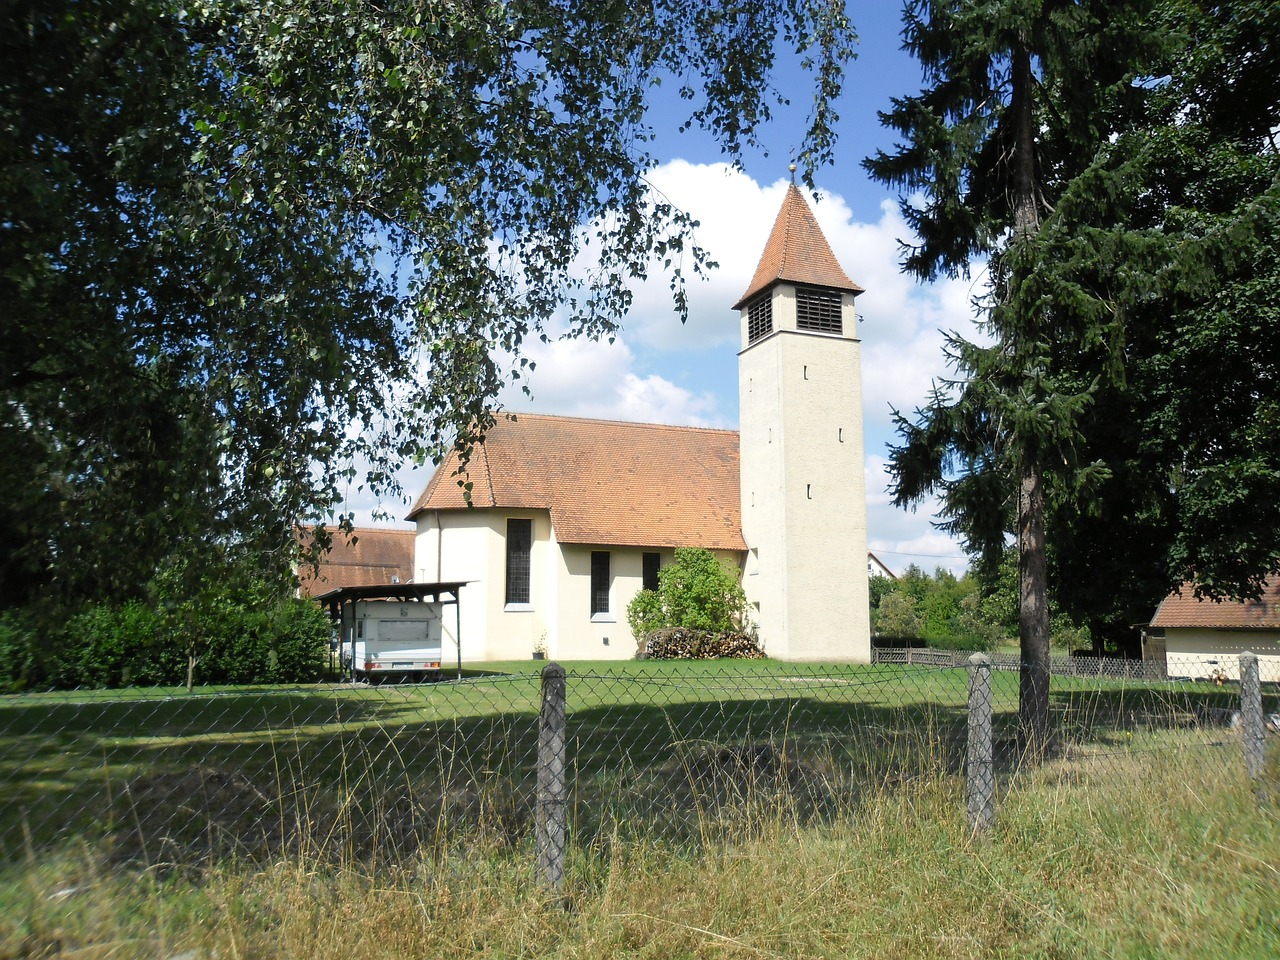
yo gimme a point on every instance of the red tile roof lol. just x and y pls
(376, 557)
(605, 482)
(797, 252)
(1184, 610)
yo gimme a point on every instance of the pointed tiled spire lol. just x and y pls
(797, 252)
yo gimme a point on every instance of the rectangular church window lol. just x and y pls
(599, 583)
(649, 573)
(519, 566)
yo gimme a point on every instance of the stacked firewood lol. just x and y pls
(680, 643)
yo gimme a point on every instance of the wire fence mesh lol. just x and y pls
(679, 751)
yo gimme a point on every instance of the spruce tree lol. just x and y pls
(1167, 248)
(1019, 95)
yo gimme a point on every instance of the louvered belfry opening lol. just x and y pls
(760, 318)
(818, 310)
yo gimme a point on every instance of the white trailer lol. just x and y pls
(389, 638)
(395, 630)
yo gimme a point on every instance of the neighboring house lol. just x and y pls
(569, 518)
(1204, 638)
(876, 568)
(369, 557)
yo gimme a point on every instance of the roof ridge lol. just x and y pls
(488, 476)
(613, 420)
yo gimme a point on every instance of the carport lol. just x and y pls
(442, 593)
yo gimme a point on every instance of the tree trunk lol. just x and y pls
(1033, 608)
(1033, 615)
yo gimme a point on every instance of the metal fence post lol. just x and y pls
(980, 774)
(1251, 715)
(551, 826)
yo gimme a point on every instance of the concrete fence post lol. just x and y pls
(980, 776)
(551, 832)
(1251, 715)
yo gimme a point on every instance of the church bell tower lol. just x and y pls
(804, 512)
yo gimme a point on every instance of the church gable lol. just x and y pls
(604, 482)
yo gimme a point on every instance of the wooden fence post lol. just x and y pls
(1251, 715)
(980, 778)
(551, 833)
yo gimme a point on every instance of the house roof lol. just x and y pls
(797, 252)
(872, 558)
(605, 482)
(376, 557)
(1182, 609)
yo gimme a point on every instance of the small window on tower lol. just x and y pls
(818, 310)
(760, 318)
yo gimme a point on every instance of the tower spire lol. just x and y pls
(797, 252)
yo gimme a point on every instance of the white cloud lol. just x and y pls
(659, 370)
(584, 378)
(903, 537)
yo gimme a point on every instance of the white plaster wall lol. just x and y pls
(452, 546)
(1202, 653)
(803, 491)
(578, 636)
(514, 631)
(763, 511)
(471, 546)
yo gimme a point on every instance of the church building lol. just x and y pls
(570, 518)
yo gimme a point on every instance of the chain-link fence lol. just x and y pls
(588, 754)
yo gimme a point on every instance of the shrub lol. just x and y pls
(697, 591)
(109, 646)
(644, 614)
(699, 598)
(236, 641)
(18, 666)
(896, 616)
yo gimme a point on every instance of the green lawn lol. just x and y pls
(642, 735)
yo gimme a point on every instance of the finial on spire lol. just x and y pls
(792, 168)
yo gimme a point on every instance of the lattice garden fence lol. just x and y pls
(577, 756)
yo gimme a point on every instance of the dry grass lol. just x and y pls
(1138, 859)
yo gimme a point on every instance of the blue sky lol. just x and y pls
(658, 370)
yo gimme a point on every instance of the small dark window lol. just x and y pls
(519, 547)
(599, 581)
(649, 578)
(760, 318)
(819, 310)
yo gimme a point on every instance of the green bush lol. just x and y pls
(234, 640)
(18, 666)
(286, 643)
(644, 613)
(109, 646)
(699, 596)
(698, 592)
